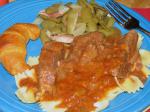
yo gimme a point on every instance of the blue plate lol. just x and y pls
(25, 11)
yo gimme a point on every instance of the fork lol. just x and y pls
(123, 17)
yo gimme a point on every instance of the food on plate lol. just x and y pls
(86, 74)
(13, 53)
(69, 20)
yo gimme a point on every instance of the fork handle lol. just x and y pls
(144, 30)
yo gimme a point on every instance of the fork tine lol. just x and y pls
(114, 14)
(118, 10)
(121, 9)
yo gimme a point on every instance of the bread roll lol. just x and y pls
(13, 46)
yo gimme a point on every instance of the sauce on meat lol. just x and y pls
(86, 74)
(28, 82)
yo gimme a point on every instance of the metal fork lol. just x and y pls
(123, 17)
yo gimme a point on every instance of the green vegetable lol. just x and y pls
(54, 8)
(56, 20)
(110, 22)
(43, 16)
(43, 36)
(56, 29)
(48, 24)
(92, 1)
(80, 29)
(111, 32)
(72, 18)
(83, 17)
(91, 26)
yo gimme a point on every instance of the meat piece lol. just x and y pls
(85, 67)
(130, 40)
(132, 57)
(51, 53)
(90, 53)
(122, 70)
(54, 64)
(87, 47)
